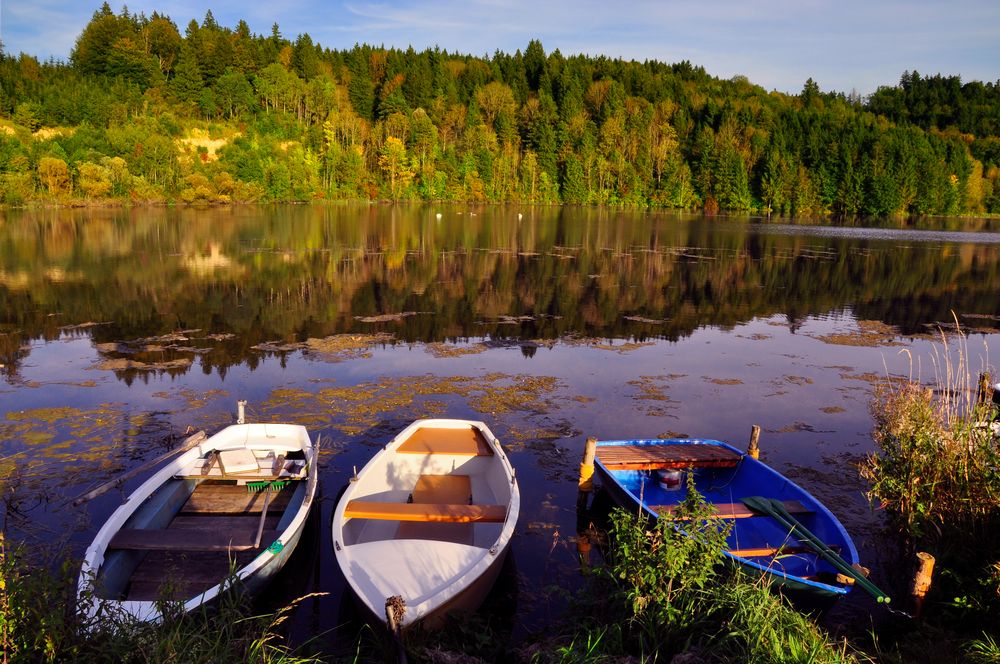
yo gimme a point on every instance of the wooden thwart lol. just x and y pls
(666, 457)
(149, 539)
(460, 442)
(427, 512)
(735, 510)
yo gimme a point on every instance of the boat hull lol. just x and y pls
(724, 475)
(147, 525)
(429, 519)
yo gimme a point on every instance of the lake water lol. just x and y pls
(120, 329)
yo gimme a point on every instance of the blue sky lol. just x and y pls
(845, 45)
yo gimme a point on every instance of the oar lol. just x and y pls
(188, 443)
(776, 509)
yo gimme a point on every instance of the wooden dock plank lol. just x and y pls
(664, 457)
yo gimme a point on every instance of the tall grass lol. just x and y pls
(937, 474)
(39, 623)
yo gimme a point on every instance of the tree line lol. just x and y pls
(143, 112)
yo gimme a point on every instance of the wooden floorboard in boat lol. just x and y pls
(211, 498)
(182, 575)
(656, 457)
(225, 523)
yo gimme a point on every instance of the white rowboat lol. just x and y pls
(428, 519)
(237, 502)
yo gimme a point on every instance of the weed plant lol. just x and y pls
(665, 596)
(936, 472)
(39, 623)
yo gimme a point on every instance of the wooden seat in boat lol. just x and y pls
(460, 442)
(436, 499)
(735, 510)
(666, 457)
(169, 539)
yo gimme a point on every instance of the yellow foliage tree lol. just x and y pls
(53, 173)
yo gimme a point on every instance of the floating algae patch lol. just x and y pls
(870, 333)
(602, 344)
(345, 346)
(650, 390)
(335, 348)
(124, 364)
(443, 350)
(58, 447)
(373, 407)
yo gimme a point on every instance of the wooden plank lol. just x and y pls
(223, 523)
(267, 469)
(155, 539)
(443, 489)
(735, 510)
(233, 499)
(183, 574)
(666, 457)
(426, 512)
(461, 442)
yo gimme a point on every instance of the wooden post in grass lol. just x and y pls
(586, 483)
(921, 582)
(985, 392)
(753, 450)
(395, 609)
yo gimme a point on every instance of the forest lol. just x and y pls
(146, 113)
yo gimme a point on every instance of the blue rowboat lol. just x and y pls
(653, 474)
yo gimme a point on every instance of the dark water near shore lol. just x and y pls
(119, 329)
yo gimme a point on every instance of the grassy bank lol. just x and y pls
(937, 475)
(39, 623)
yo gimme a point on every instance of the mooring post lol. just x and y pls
(753, 449)
(985, 393)
(395, 608)
(586, 483)
(921, 582)
(241, 411)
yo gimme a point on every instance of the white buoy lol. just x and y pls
(438, 215)
(519, 215)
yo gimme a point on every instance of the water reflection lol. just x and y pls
(236, 283)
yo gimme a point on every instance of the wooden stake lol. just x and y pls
(753, 450)
(586, 483)
(985, 393)
(189, 442)
(921, 582)
(395, 609)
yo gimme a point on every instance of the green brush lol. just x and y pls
(266, 485)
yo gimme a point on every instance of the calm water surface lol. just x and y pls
(120, 329)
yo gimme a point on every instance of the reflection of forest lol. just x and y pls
(292, 273)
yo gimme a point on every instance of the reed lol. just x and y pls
(937, 467)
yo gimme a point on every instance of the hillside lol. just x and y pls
(144, 113)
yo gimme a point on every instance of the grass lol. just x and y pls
(936, 472)
(39, 623)
(663, 596)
